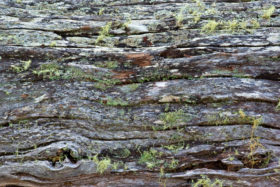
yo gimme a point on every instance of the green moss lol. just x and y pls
(101, 11)
(117, 165)
(232, 25)
(210, 27)
(266, 160)
(50, 71)
(16, 69)
(108, 64)
(54, 71)
(174, 148)
(267, 13)
(133, 87)
(176, 137)
(206, 182)
(195, 11)
(180, 17)
(22, 67)
(150, 158)
(116, 102)
(278, 106)
(234, 73)
(102, 165)
(171, 119)
(255, 24)
(105, 83)
(222, 119)
(53, 44)
(196, 16)
(173, 164)
(126, 23)
(200, 4)
(254, 144)
(77, 73)
(237, 25)
(124, 153)
(104, 32)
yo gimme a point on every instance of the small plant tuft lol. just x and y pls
(116, 102)
(206, 182)
(102, 165)
(268, 12)
(180, 17)
(50, 71)
(25, 65)
(210, 27)
(133, 87)
(278, 106)
(53, 44)
(149, 158)
(170, 119)
(104, 32)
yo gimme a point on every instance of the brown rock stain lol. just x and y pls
(85, 28)
(24, 96)
(140, 59)
(228, 68)
(122, 74)
(146, 99)
(171, 53)
(224, 54)
(146, 41)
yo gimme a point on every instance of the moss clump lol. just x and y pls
(116, 102)
(133, 87)
(124, 153)
(171, 119)
(232, 25)
(149, 158)
(49, 71)
(278, 106)
(53, 44)
(76, 73)
(104, 84)
(102, 165)
(108, 64)
(101, 11)
(104, 32)
(22, 67)
(210, 27)
(255, 24)
(195, 11)
(54, 71)
(206, 182)
(174, 147)
(268, 12)
(254, 144)
(180, 17)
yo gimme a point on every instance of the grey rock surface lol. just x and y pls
(139, 93)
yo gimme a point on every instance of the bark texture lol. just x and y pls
(139, 93)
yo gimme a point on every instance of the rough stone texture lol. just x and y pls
(163, 98)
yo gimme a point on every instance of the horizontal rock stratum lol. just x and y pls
(120, 93)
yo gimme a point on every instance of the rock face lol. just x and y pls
(139, 93)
